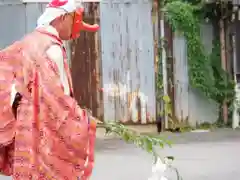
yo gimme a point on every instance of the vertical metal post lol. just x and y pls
(235, 117)
(164, 63)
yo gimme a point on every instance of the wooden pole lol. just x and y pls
(224, 66)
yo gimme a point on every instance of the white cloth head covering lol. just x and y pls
(57, 8)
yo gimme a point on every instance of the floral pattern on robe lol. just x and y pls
(51, 137)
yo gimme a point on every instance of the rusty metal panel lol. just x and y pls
(156, 33)
(128, 61)
(85, 64)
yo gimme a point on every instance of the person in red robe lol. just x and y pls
(44, 134)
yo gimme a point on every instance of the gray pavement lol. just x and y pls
(198, 156)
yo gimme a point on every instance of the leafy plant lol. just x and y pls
(181, 16)
(145, 142)
(205, 71)
(223, 84)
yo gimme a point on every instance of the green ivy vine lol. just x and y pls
(223, 84)
(205, 72)
(181, 17)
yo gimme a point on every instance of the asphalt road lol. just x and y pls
(204, 160)
(212, 158)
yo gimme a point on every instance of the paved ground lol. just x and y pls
(199, 156)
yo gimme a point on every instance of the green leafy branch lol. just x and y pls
(144, 142)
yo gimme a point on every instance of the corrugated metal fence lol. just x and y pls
(120, 61)
(17, 19)
(128, 61)
(113, 70)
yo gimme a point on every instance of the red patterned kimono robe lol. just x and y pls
(51, 138)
